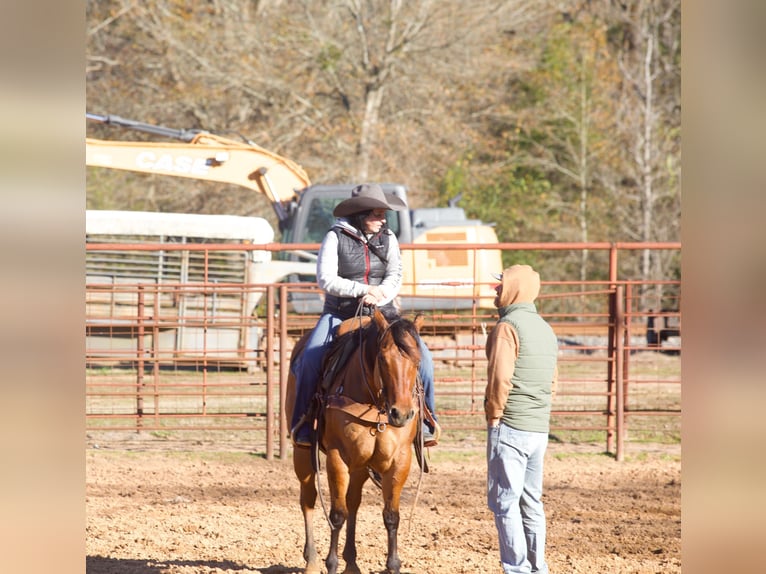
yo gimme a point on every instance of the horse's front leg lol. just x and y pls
(393, 483)
(353, 501)
(338, 479)
(391, 520)
(307, 479)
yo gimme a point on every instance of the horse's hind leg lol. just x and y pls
(305, 474)
(353, 500)
(309, 548)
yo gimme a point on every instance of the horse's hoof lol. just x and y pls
(352, 570)
(312, 569)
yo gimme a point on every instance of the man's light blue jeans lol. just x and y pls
(514, 495)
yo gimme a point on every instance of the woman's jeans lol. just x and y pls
(426, 374)
(514, 495)
(309, 366)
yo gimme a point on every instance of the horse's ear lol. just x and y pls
(419, 319)
(380, 319)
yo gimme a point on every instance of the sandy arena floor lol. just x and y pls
(177, 511)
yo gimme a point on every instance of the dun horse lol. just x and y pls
(368, 422)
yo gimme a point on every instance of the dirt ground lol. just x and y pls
(176, 511)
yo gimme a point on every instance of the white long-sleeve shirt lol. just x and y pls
(332, 283)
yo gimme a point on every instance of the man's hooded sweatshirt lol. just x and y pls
(522, 351)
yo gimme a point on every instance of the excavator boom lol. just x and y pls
(202, 156)
(305, 212)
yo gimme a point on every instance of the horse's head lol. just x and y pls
(396, 366)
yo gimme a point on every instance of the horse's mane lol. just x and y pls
(399, 328)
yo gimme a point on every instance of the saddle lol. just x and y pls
(341, 349)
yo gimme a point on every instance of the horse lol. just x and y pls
(368, 421)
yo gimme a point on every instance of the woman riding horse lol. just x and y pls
(359, 261)
(369, 422)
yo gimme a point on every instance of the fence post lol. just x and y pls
(610, 369)
(140, 357)
(619, 320)
(156, 317)
(270, 310)
(284, 367)
(628, 345)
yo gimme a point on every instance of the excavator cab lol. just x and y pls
(313, 217)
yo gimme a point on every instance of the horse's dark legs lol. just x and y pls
(353, 501)
(338, 478)
(393, 483)
(391, 520)
(337, 518)
(305, 474)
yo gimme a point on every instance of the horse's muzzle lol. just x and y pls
(398, 417)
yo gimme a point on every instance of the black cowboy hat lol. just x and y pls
(366, 197)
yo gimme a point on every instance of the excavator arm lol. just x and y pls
(202, 156)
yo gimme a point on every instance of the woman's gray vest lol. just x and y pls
(362, 262)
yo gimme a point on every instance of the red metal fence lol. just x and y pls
(171, 357)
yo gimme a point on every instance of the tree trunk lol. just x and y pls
(647, 160)
(372, 103)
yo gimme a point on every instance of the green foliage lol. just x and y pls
(520, 197)
(519, 205)
(329, 56)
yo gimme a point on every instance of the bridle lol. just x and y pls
(374, 400)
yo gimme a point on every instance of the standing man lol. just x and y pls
(522, 371)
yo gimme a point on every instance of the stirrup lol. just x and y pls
(301, 443)
(434, 440)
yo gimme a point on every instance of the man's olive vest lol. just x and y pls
(528, 407)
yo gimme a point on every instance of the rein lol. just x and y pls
(362, 367)
(363, 370)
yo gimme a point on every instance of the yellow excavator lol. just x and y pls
(446, 278)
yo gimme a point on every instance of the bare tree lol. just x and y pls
(648, 55)
(348, 88)
(399, 71)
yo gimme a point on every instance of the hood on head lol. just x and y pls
(521, 284)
